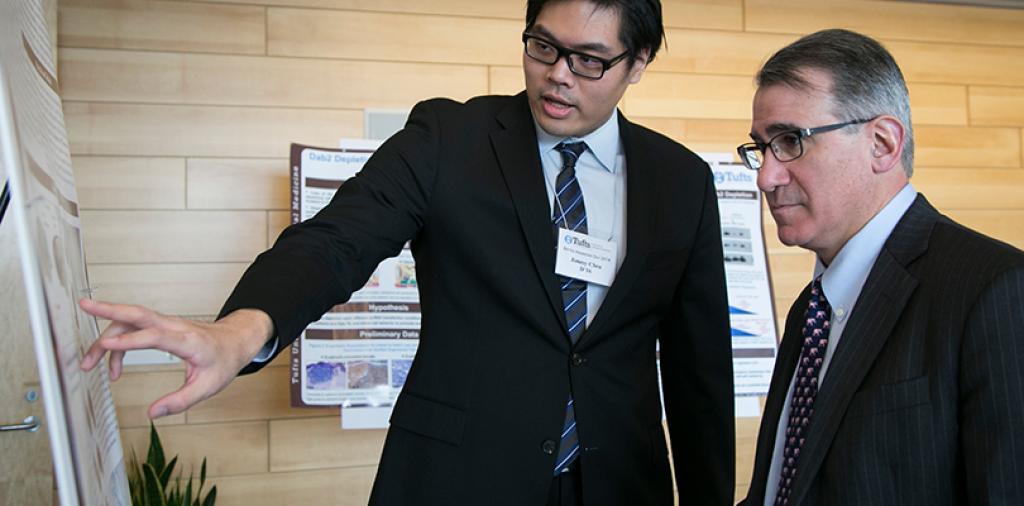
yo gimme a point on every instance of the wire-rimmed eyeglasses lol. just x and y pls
(581, 64)
(786, 146)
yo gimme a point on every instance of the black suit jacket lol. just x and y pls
(486, 394)
(923, 402)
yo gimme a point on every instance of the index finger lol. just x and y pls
(138, 316)
(96, 350)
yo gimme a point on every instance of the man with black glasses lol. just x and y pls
(900, 377)
(556, 244)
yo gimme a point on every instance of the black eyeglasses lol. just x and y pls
(581, 64)
(786, 146)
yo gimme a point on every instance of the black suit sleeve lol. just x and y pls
(992, 393)
(696, 365)
(317, 264)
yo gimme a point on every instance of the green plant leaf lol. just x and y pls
(136, 483)
(211, 497)
(150, 482)
(155, 457)
(187, 498)
(165, 476)
(154, 492)
(202, 483)
(173, 496)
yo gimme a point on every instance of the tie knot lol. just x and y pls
(818, 296)
(571, 152)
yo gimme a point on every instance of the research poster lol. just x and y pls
(751, 312)
(748, 282)
(80, 417)
(358, 354)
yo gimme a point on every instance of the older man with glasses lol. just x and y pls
(900, 377)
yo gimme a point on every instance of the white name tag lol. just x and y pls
(586, 258)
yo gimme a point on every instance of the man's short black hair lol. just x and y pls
(640, 25)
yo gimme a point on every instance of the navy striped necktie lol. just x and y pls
(570, 213)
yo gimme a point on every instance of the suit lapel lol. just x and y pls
(878, 309)
(515, 147)
(641, 208)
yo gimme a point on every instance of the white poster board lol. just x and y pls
(751, 311)
(747, 281)
(80, 416)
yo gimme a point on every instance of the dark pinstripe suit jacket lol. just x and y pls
(924, 400)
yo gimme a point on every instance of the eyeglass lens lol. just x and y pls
(786, 147)
(752, 158)
(581, 64)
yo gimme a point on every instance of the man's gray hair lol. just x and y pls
(866, 82)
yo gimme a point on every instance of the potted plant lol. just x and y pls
(151, 483)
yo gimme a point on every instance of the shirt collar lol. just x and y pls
(604, 142)
(843, 279)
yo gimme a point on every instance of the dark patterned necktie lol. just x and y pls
(569, 212)
(805, 388)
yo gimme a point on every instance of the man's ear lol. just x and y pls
(887, 134)
(639, 66)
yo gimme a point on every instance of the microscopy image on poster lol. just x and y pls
(367, 374)
(399, 370)
(325, 375)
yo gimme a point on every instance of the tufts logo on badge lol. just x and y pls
(572, 240)
(585, 258)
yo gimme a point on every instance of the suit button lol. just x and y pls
(548, 447)
(578, 359)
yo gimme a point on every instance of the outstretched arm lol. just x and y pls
(213, 353)
(313, 266)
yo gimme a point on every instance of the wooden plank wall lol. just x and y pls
(180, 113)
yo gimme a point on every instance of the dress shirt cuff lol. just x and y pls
(266, 352)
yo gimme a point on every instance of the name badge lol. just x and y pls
(585, 257)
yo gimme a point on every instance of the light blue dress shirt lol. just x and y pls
(842, 282)
(601, 171)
